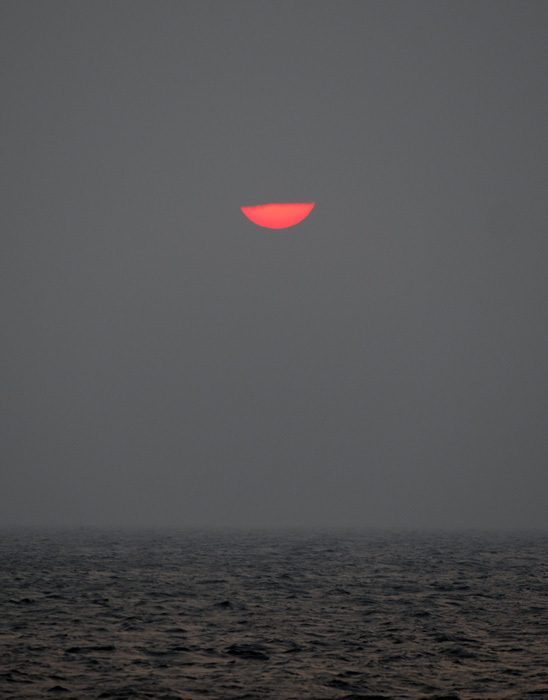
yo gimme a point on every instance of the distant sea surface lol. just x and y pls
(345, 614)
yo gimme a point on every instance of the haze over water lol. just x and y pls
(167, 363)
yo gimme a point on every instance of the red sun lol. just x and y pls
(278, 215)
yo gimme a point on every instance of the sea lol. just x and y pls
(186, 615)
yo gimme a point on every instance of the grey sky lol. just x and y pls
(167, 362)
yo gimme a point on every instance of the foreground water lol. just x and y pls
(165, 615)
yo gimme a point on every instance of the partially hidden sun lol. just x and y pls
(278, 215)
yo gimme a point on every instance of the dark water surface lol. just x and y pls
(168, 614)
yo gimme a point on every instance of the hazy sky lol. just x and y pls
(167, 362)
